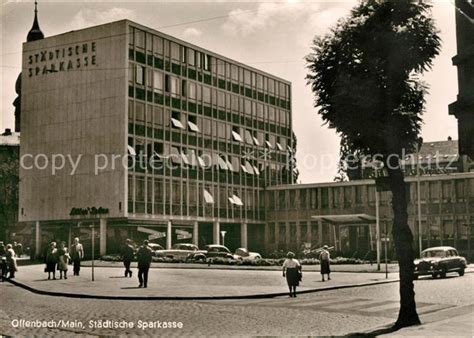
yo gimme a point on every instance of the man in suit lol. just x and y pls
(144, 258)
(128, 253)
(77, 255)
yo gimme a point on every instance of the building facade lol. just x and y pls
(171, 142)
(463, 108)
(447, 214)
(9, 154)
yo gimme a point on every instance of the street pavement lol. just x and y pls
(165, 282)
(444, 304)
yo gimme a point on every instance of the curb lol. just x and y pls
(257, 296)
(230, 267)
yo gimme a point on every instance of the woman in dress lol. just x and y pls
(51, 259)
(11, 260)
(63, 260)
(292, 272)
(324, 258)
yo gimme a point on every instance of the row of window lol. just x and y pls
(160, 191)
(434, 191)
(196, 92)
(157, 116)
(155, 45)
(157, 156)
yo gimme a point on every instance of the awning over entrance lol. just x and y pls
(349, 219)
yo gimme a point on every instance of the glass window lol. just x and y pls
(247, 78)
(234, 73)
(191, 57)
(139, 38)
(131, 72)
(140, 189)
(446, 189)
(248, 137)
(140, 111)
(206, 126)
(192, 90)
(235, 103)
(174, 51)
(139, 74)
(183, 54)
(207, 61)
(260, 110)
(158, 80)
(460, 191)
(174, 81)
(220, 67)
(259, 81)
(198, 59)
(157, 116)
(149, 77)
(158, 45)
(192, 124)
(206, 94)
(220, 99)
(236, 134)
(221, 129)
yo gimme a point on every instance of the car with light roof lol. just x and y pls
(243, 254)
(185, 251)
(439, 261)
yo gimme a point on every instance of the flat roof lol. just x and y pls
(368, 181)
(349, 219)
(170, 37)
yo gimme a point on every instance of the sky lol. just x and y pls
(273, 36)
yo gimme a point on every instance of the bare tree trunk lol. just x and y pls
(403, 240)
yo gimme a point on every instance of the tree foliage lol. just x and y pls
(9, 179)
(365, 75)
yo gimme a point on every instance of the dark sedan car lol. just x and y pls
(439, 261)
(216, 250)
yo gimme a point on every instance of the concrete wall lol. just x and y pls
(74, 95)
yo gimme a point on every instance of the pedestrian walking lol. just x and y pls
(77, 255)
(128, 253)
(2, 249)
(4, 268)
(63, 260)
(18, 248)
(51, 259)
(292, 272)
(11, 260)
(144, 258)
(324, 258)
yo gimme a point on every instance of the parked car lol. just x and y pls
(438, 261)
(216, 250)
(154, 247)
(243, 254)
(181, 251)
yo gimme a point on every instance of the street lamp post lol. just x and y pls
(223, 237)
(93, 249)
(386, 249)
(377, 223)
(418, 197)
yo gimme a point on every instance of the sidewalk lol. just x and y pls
(453, 322)
(165, 283)
(363, 268)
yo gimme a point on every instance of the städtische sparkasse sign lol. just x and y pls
(53, 60)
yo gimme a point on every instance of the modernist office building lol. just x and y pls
(204, 136)
(208, 149)
(342, 214)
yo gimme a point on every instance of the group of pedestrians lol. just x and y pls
(293, 272)
(58, 258)
(144, 256)
(8, 263)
